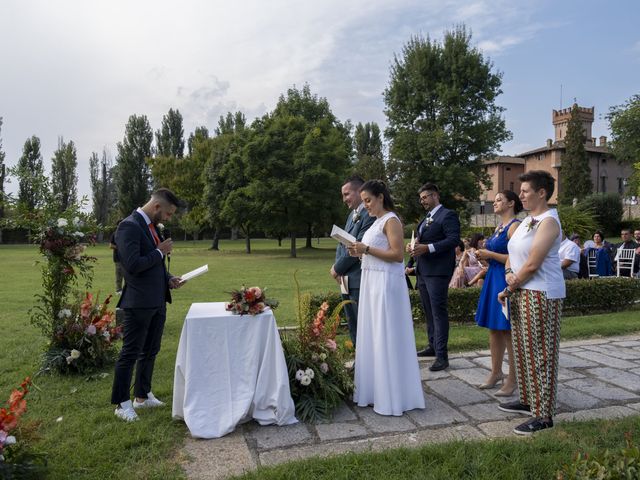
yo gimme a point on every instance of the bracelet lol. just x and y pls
(366, 250)
(507, 292)
(507, 271)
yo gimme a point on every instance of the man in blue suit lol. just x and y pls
(435, 259)
(346, 266)
(142, 252)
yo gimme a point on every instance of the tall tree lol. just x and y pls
(624, 123)
(297, 158)
(575, 174)
(102, 188)
(3, 173)
(199, 133)
(369, 155)
(442, 119)
(64, 179)
(32, 183)
(133, 178)
(170, 137)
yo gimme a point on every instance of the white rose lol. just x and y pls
(76, 221)
(69, 360)
(160, 226)
(10, 440)
(75, 354)
(62, 222)
(299, 375)
(305, 380)
(64, 313)
(323, 356)
(78, 234)
(309, 373)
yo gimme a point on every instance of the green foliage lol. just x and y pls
(170, 138)
(369, 155)
(577, 220)
(607, 465)
(624, 123)
(575, 174)
(606, 209)
(133, 180)
(33, 187)
(443, 120)
(103, 188)
(64, 178)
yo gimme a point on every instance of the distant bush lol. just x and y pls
(607, 294)
(606, 208)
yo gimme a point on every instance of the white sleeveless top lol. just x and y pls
(548, 278)
(376, 238)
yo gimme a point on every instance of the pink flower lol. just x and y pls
(331, 344)
(91, 330)
(324, 368)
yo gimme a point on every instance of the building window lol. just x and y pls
(508, 169)
(603, 184)
(620, 186)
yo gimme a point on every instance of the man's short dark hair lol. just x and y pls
(168, 196)
(428, 187)
(627, 230)
(539, 179)
(356, 181)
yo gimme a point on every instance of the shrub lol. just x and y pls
(583, 297)
(575, 220)
(606, 208)
(624, 464)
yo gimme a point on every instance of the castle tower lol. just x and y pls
(560, 119)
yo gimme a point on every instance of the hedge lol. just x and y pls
(600, 295)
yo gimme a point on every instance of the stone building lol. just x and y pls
(606, 174)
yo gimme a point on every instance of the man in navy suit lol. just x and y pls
(435, 260)
(142, 252)
(345, 265)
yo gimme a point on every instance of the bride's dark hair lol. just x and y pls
(377, 187)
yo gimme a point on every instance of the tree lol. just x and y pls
(575, 175)
(101, 176)
(32, 183)
(442, 120)
(170, 138)
(199, 133)
(297, 159)
(624, 123)
(369, 155)
(64, 179)
(3, 173)
(133, 178)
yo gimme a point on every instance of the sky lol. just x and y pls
(78, 69)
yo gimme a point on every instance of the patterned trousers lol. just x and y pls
(535, 333)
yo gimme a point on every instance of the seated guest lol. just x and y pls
(569, 254)
(629, 244)
(473, 267)
(604, 251)
(457, 280)
(583, 271)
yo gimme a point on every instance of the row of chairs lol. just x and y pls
(625, 258)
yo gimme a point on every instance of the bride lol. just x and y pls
(387, 375)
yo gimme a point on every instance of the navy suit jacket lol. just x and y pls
(146, 277)
(444, 234)
(345, 264)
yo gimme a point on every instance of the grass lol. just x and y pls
(70, 419)
(505, 459)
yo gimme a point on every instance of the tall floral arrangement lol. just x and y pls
(318, 378)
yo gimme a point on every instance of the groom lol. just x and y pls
(435, 259)
(347, 267)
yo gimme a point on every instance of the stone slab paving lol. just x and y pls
(598, 379)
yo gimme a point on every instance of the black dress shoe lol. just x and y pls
(427, 352)
(439, 364)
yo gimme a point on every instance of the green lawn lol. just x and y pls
(70, 418)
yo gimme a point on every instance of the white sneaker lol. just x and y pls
(150, 402)
(126, 412)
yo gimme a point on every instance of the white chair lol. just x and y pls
(592, 260)
(625, 258)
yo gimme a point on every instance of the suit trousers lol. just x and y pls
(351, 311)
(143, 329)
(434, 293)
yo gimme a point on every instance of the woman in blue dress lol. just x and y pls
(489, 313)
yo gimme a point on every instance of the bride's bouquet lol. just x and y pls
(250, 300)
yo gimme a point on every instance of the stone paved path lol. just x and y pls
(598, 379)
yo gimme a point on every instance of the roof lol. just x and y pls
(560, 145)
(503, 159)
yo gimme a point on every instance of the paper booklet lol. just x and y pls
(195, 273)
(342, 236)
(344, 285)
(505, 309)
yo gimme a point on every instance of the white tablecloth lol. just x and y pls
(229, 369)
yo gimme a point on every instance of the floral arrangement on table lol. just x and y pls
(318, 378)
(85, 336)
(250, 300)
(15, 460)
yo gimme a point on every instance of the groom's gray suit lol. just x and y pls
(350, 266)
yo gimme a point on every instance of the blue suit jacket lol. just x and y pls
(444, 234)
(345, 264)
(146, 277)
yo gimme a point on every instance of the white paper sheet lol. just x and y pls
(342, 236)
(344, 285)
(505, 309)
(195, 273)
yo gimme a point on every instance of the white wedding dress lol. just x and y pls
(387, 375)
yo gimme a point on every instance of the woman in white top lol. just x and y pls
(387, 375)
(535, 287)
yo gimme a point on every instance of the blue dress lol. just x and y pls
(489, 313)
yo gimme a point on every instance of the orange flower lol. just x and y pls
(87, 306)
